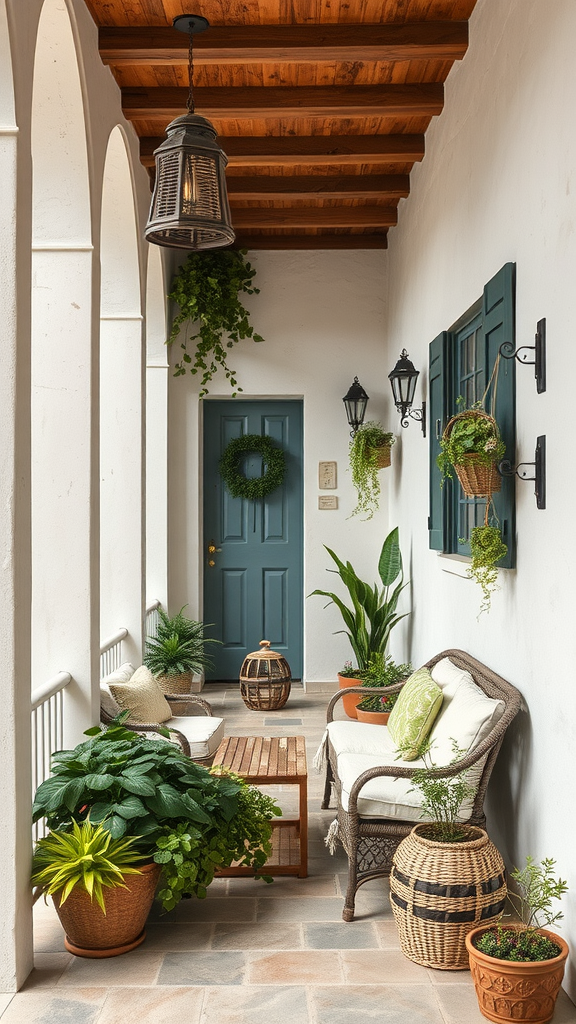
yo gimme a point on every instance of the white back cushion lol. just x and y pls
(120, 675)
(467, 718)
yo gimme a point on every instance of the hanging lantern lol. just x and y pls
(189, 208)
(403, 382)
(355, 401)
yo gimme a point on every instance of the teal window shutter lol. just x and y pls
(498, 306)
(438, 378)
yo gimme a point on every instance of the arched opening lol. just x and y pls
(62, 379)
(156, 431)
(15, 915)
(122, 500)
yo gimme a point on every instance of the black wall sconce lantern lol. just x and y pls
(538, 348)
(189, 208)
(355, 402)
(507, 469)
(403, 382)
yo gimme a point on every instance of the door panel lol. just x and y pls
(254, 590)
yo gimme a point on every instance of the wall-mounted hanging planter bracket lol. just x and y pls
(507, 469)
(538, 348)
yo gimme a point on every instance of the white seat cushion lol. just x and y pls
(386, 796)
(203, 733)
(361, 738)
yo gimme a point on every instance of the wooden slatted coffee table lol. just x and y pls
(273, 761)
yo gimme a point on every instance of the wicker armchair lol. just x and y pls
(179, 726)
(371, 842)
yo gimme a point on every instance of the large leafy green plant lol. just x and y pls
(179, 646)
(207, 289)
(86, 856)
(372, 615)
(180, 814)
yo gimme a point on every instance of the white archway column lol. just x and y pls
(122, 409)
(15, 567)
(64, 493)
(156, 433)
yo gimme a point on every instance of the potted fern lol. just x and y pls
(369, 452)
(177, 653)
(382, 672)
(517, 969)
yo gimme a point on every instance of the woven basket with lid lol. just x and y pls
(265, 679)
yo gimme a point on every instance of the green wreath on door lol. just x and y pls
(241, 486)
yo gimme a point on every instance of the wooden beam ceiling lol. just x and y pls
(321, 112)
(302, 44)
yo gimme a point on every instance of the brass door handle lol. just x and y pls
(212, 549)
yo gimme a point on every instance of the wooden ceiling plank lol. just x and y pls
(255, 44)
(275, 102)
(289, 150)
(278, 241)
(246, 218)
(372, 186)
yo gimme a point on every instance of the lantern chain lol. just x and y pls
(190, 100)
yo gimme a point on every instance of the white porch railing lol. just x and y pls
(152, 618)
(111, 652)
(47, 731)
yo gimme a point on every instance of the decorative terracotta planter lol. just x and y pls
(351, 699)
(441, 891)
(373, 717)
(508, 991)
(91, 933)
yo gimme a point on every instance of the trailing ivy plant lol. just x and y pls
(364, 450)
(487, 549)
(207, 289)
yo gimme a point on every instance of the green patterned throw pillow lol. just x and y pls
(413, 714)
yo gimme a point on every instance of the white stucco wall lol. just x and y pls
(322, 315)
(498, 183)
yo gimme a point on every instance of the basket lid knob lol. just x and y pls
(265, 644)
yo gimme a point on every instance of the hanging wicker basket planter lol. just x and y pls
(265, 679)
(477, 472)
(440, 891)
(383, 456)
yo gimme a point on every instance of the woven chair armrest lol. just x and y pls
(408, 773)
(156, 726)
(189, 698)
(359, 689)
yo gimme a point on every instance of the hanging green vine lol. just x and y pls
(487, 548)
(241, 486)
(207, 289)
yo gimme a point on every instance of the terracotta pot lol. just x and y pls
(440, 891)
(510, 991)
(372, 717)
(91, 933)
(351, 699)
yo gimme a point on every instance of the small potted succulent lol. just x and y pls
(517, 969)
(369, 452)
(381, 672)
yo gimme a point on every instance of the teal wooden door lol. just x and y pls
(254, 590)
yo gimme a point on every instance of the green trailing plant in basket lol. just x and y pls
(365, 447)
(470, 432)
(207, 289)
(442, 797)
(487, 548)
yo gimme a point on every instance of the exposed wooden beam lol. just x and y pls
(245, 219)
(249, 241)
(256, 44)
(276, 101)
(353, 186)
(291, 150)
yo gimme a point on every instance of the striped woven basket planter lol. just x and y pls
(441, 891)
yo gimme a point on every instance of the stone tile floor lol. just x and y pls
(253, 953)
